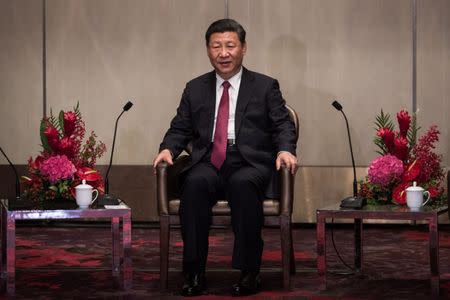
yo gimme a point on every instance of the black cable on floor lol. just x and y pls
(338, 255)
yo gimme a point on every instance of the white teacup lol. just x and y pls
(414, 197)
(83, 195)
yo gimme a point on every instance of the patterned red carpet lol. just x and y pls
(74, 263)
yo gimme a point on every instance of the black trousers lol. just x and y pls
(243, 186)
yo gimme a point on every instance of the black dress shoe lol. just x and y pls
(194, 284)
(249, 283)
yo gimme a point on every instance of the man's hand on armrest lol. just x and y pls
(286, 158)
(164, 155)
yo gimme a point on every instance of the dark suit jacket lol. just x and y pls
(262, 123)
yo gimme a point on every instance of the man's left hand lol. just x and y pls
(287, 159)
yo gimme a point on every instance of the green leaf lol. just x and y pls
(55, 123)
(384, 121)
(44, 140)
(63, 186)
(413, 131)
(61, 122)
(53, 188)
(77, 110)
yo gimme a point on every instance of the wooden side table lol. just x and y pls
(8, 232)
(381, 212)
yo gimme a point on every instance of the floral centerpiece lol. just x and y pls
(65, 159)
(403, 159)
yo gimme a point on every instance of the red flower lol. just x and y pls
(388, 138)
(420, 162)
(62, 136)
(399, 193)
(52, 135)
(401, 148)
(88, 174)
(67, 147)
(70, 119)
(35, 164)
(412, 171)
(434, 191)
(431, 162)
(404, 120)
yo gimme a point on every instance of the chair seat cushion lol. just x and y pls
(271, 207)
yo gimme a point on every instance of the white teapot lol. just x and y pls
(414, 197)
(83, 195)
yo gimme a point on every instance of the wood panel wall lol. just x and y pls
(103, 53)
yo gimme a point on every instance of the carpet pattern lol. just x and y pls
(74, 263)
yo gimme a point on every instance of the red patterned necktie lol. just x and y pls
(221, 134)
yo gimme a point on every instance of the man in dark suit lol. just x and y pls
(241, 132)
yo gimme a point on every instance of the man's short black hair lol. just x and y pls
(225, 25)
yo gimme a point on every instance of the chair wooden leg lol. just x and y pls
(292, 252)
(164, 237)
(286, 246)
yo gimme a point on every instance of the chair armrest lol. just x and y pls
(286, 191)
(167, 182)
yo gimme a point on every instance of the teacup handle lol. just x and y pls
(96, 195)
(428, 197)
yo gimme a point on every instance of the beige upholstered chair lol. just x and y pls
(277, 212)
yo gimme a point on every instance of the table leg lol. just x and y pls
(126, 244)
(3, 254)
(434, 255)
(115, 245)
(321, 250)
(358, 245)
(10, 255)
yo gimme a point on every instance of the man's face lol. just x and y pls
(226, 52)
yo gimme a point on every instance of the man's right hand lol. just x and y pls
(164, 155)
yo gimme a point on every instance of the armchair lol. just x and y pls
(277, 211)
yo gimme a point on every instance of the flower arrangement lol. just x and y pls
(403, 159)
(65, 160)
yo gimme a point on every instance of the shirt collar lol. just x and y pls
(234, 81)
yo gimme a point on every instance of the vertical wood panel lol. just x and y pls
(356, 51)
(102, 53)
(20, 78)
(433, 65)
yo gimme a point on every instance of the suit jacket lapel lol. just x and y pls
(244, 96)
(210, 101)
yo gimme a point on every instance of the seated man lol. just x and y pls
(240, 131)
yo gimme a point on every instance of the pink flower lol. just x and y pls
(57, 167)
(385, 169)
(404, 120)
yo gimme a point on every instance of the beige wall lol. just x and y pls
(433, 69)
(356, 51)
(20, 78)
(105, 52)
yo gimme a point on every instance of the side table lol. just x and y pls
(9, 216)
(381, 212)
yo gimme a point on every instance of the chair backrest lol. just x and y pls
(294, 118)
(292, 114)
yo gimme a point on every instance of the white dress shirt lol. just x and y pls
(233, 91)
